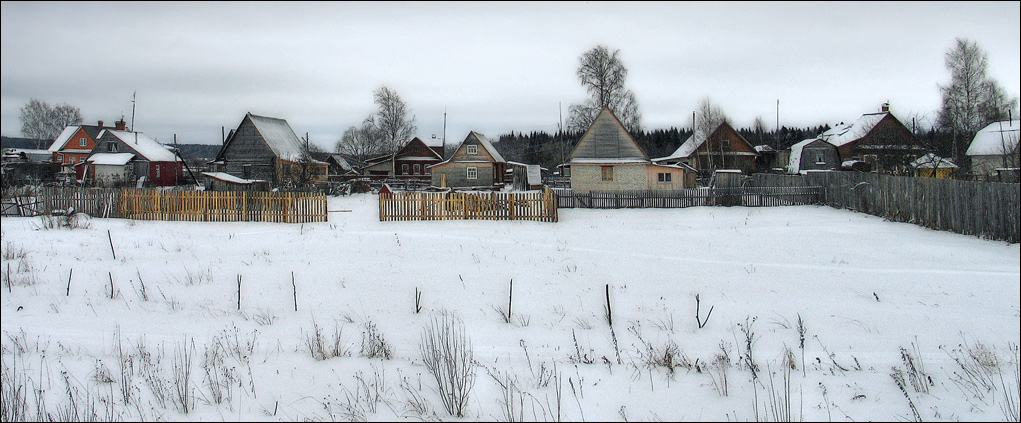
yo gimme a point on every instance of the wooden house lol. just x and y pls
(994, 150)
(474, 164)
(411, 161)
(878, 139)
(932, 166)
(723, 148)
(76, 142)
(813, 154)
(126, 157)
(266, 148)
(338, 165)
(607, 158)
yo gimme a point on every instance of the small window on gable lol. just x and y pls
(725, 144)
(472, 149)
(820, 158)
(82, 142)
(111, 147)
(472, 172)
(607, 172)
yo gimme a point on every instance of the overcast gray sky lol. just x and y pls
(493, 67)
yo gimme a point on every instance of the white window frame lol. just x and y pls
(472, 149)
(82, 142)
(72, 160)
(472, 172)
(820, 158)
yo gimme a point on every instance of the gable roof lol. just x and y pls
(606, 138)
(931, 160)
(690, 145)
(483, 141)
(146, 147)
(278, 136)
(794, 162)
(93, 130)
(990, 141)
(843, 133)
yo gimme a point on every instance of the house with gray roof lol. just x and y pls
(994, 150)
(266, 148)
(475, 164)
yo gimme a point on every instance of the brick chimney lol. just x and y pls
(121, 125)
(100, 124)
(885, 108)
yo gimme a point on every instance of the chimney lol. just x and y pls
(885, 108)
(100, 124)
(121, 125)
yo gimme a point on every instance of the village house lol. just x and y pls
(411, 161)
(474, 164)
(339, 167)
(607, 158)
(878, 139)
(994, 151)
(932, 166)
(813, 154)
(723, 148)
(127, 157)
(75, 143)
(266, 148)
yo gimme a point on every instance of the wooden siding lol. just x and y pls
(538, 206)
(247, 147)
(607, 139)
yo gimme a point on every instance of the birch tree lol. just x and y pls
(972, 99)
(603, 75)
(708, 117)
(39, 120)
(391, 125)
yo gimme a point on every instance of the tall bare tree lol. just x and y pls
(39, 120)
(359, 143)
(972, 99)
(708, 117)
(391, 124)
(603, 74)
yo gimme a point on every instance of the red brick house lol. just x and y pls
(124, 157)
(76, 142)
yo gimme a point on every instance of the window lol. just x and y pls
(246, 171)
(472, 149)
(473, 172)
(72, 160)
(404, 169)
(665, 177)
(111, 147)
(820, 158)
(82, 142)
(157, 171)
(418, 169)
(607, 173)
(725, 144)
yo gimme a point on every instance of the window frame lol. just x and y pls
(83, 142)
(471, 149)
(606, 173)
(471, 173)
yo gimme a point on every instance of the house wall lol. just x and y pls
(72, 152)
(739, 155)
(889, 147)
(108, 175)
(678, 178)
(457, 174)
(423, 171)
(169, 173)
(986, 165)
(831, 160)
(588, 177)
(247, 148)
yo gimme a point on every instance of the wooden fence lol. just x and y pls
(206, 206)
(222, 206)
(692, 197)
(539, 206)
(985, 209)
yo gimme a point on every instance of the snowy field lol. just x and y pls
(803, 313)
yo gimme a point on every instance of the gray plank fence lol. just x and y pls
(984, 209)
(691, 197)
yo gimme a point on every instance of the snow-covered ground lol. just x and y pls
(835, 306)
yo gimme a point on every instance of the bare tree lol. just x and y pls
(39, 120)
(391, 125)
(603, 74)
(708, 117)
(359, 142)
(972, 99)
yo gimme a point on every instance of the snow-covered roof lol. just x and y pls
(991, 140)
(931, 160)
(63, 137)
(226, 177)
(432, 142)
(794, 164)
(279, 136)
(843, 133)
(489, 147)
(146, 147)
(111, 159)
(686, 149)
(608, 161)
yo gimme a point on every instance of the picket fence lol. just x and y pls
(401, 205)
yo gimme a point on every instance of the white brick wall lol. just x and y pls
(588, 177)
